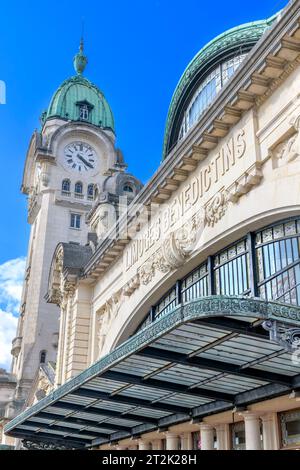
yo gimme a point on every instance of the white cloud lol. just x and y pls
(11, 281)
(8, 326)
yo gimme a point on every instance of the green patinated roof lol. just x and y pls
(249, 32)
(64, 103)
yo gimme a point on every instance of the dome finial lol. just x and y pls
(80, 60)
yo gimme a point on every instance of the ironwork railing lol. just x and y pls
(263, 264)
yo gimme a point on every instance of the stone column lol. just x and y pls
(120, 447)
(206, 436)
(172, 441)
(144, 445)
(270, 431)
(59, 378)
(252, 431)
(186, 441)
(157, 444)
(223, 436)
(80, 330)
(65, 339)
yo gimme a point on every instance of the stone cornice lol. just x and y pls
(266, 67)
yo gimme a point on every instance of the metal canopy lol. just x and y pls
(201, 358)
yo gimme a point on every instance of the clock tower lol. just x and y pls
(71, 165)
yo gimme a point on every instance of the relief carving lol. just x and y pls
(245, 183)
(43, 389)
(45, 383)
(45, 174)
(288, 150)
(106, 315)
(147, 272)
(102, 223)
(216, 209)
(175, 249)
(131, 285)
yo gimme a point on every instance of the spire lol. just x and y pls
(80, 60)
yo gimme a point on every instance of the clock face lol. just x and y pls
(80, 157)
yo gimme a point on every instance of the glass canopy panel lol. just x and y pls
(186, 376)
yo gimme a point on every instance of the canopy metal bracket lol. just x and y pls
(285, 335)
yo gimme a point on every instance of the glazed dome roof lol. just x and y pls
(238, 40)
(78, 91)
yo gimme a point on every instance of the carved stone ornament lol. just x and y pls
(56, 296)
(39, 445)
(106, 315)
(252, 177)
(288, 150)
(103, 222)
(285, 335)
(147, 272)
(131, 285)
(44, 387)
(216, 208)
(175, 249)
(68, 287)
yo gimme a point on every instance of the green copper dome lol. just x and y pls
(77, 99)
(231, 43)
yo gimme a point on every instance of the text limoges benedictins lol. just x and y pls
(205, 182)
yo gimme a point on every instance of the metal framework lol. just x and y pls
(202, 357)
(264, 264)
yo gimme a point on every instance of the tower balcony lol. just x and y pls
(16, 346)
(71, 199)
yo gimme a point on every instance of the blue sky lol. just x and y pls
(137, 52)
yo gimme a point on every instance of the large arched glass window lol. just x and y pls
(264, 264)
(206, 92)
(78, 189)
(65, 187)
(278, 262)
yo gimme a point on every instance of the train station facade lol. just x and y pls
(179, 323)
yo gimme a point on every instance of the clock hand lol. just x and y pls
(84, 161)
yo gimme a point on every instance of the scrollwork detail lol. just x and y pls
(216, 209)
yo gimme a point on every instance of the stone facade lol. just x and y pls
(235, 172)
(205, 195)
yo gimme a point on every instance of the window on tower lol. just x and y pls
(78, 190)
(90, 191)
(83, 112)
(65, 187)
(43, 355)
(75, 221)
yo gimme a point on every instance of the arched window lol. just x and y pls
(207, 91)
(65, 187)
(43, 355)
(90, 191)
(127, 188)
(78, 189)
